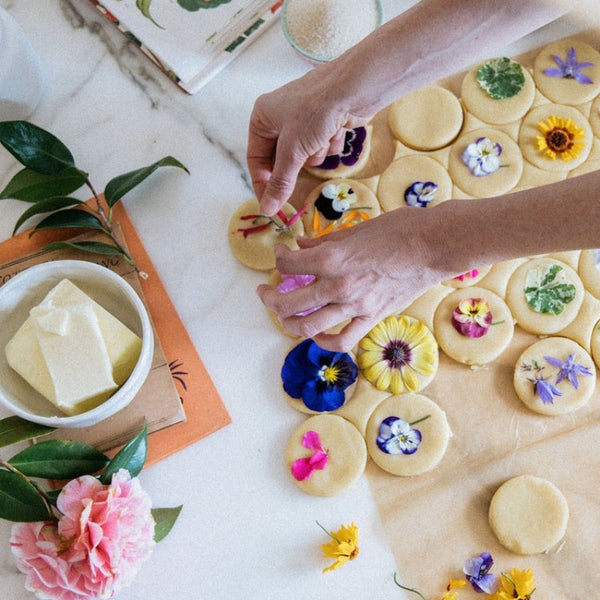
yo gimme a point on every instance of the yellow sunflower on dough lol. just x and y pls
(561, 138)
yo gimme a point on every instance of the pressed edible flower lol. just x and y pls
(472, 317)
(342, 547)
(547, 289)
(303, 468)
(395, 352)
(334, 200)
(501, 78)
(293, 282)
(353, 147)
(516, 585)
(568, 369)
(541, 386)
(317, 376)
(262, 223)
(570, 68)
(561, 138)
(420, 193)
(477, 573)
(482, 157)
(396, 436)
(468, 275)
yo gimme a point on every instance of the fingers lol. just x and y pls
(336, 145)
(346, 339)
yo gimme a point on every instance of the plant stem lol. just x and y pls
(408, 589)
(100, 208)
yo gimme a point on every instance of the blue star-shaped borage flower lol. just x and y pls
(570, 69)
(318, 377)
(353, 147)
(568, 369)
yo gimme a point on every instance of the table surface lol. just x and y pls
(245, 529)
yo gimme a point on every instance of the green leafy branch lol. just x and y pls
(22, 498)
(49, 177)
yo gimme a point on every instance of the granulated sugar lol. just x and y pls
(326, 28)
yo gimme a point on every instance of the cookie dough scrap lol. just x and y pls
(554, 376)
(581, 328)
(407, 435)
(325, 455)
(252, 237)
(528, 515)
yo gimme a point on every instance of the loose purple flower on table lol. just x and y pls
(570, 68)
(353, 147)
(477, 573)
(396, 436)
(317, 376)
(568, 369)
(482, 157)
(420, 193)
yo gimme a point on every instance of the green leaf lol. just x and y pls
(71, 217)
(165, 519)
(15, 429)
(44, 206)
(144, 8)
(545, 294)
(93, 247)
(59, 459)
(30, 186)
(19, 500)
(116, 188)
(194, 5)
(501, 78)
(35, 147)
(131, 457)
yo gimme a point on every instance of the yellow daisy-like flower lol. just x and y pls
(343, 545)
(516, 585)
(562, 138)
(396, 352)
(453, 584)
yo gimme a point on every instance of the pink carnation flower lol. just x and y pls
(104, 535)
(293, 282)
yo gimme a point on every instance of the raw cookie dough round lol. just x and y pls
(528, 515)
(549, 295)
(500, 181)
(566, 126)
(255, 250)
(344, 164)
(595, 117)
(501, 109)
(402, 173)
(418, 446)
(345, 448)
(426, 119)
(595, 344)
(535, 363)
(567, 90)
(338, 204)
(589, 270)
(473, 350)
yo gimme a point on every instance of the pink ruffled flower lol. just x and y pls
(104, 535)
(293, 282)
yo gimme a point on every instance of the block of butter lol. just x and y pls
(73, 351)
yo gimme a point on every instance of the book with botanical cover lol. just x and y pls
(191, 40)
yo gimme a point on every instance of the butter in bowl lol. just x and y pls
(77, 344)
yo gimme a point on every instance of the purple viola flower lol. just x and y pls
(568, 369)
(353, 147)
(477, 573)
(545, 390)
(570, 69)
(482, 156)
(396, 436)
(420, 193)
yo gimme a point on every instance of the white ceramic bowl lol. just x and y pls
(24, 291)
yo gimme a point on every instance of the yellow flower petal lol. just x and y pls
(411, 381)
(396, 382)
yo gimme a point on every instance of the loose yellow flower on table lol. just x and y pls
(516, 585)
(343, 545)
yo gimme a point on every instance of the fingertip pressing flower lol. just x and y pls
(317, 376)
(342, 547)
(420, 193)
(561, 138)
(477, 573)
(570, 68)
(353, 147)
(303, 468)
(482, 157)
(290, 283)
(472, 317)
(516, 585)
(568, 369)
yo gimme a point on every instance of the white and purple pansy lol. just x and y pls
(420, 193)
(334, 200)
(353, 147)
(482, 156)
(396, 436)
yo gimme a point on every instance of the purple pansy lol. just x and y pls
(568, 369)
(570, 69)
(477, 573)
(396, 436)
(353, 147)
(420, 193)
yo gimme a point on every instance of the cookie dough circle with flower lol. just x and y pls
(498, 91)
(554, 376)
(528, 514)
(555, 137)
(413, 181)
(568, 71)
(252, 237)
(399, 354)
(407, 434)
(473, 326)
(544, 295)
(427, 119)
(485, 162)
(338, 204)
(352, 159)
(325, 455)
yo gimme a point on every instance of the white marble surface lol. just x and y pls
(245, 530)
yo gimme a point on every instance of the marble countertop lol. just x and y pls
(245, 530)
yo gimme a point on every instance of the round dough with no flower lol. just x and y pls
(427, 119)
(571, 398)
(589, 270)
(528, 515)
(435, 434)
(345, 448)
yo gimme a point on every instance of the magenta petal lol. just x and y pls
(312, 440)
(319, 460)
(302, 469)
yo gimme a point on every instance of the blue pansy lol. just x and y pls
(396, 436)
(317, 376)
(353, 147)
(420, 193)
